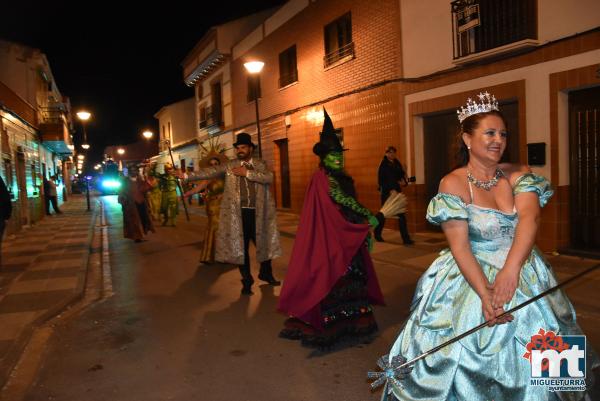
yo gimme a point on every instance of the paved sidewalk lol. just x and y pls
(43, 271)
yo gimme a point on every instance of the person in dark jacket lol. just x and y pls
(5, 211)
(390, 176)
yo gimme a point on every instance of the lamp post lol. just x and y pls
(254, 68)
(84, 116)
(148, 135)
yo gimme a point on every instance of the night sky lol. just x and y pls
(121, 64)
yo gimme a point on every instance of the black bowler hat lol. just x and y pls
(243, 138)
(328, 140)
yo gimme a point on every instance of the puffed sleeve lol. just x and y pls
(531, 182)
(444, 207)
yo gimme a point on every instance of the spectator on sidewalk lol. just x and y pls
(390, 176)
(50, 195)
(5, 212)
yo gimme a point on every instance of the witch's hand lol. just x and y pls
(373, 222)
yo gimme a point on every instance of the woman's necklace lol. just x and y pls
(486, 185)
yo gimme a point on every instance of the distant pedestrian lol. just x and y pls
(132, 197)
(390, 177)
(51, 195)
(5, 211)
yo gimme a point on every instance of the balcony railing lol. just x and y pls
(53, 114)
(480, 25)
(212, 120)
(286, 79)
(341, 53)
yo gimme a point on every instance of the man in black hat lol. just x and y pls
(247, 213)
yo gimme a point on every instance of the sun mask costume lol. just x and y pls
(331, 283)
(154, 196)
(212, 156)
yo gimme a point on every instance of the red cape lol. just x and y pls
(324, 247)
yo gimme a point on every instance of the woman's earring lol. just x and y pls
(468, 147)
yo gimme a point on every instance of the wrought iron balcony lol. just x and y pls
(482, 25)
(341, 53)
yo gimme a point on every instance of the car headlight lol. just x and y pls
(111, 184)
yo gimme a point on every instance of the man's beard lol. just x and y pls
(242, 156)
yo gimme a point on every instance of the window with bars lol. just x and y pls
(480, 25)
(202, 117)
(338, 40)
(288, 69)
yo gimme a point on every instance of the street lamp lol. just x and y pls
(84, 116)
(121, 151)
(254, 68)
(148, 135)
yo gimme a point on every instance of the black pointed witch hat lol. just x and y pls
(328, 140)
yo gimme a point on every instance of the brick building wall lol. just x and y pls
(368, 116)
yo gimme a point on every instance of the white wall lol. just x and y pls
(537, 105)
(561, 18)
(427, 29)
(426, 36)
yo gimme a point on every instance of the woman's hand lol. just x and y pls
(504, 286)
(489, 312)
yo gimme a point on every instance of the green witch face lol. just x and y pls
(334, 161)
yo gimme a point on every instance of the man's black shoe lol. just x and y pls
(409, 242)
(269, 279)
(247, 290)
(379, 238)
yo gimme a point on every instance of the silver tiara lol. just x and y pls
(487, 103)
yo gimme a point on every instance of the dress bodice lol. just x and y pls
(489, 229)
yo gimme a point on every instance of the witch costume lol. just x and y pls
(331, 284)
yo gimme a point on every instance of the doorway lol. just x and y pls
(284, 173)
(441, 144)
(584, 150)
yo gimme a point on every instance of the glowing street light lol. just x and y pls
(121, 151)
(81, 157)
(254, 68)
(148, 134)
(84, 116)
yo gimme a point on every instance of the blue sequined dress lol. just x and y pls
(488, 365)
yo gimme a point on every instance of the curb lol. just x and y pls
(12, 357)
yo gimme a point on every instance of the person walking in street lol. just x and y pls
(169, 206)
(154, 196)
(50, 195)
(390, 177)
(331, 283)
(489, 212)
(132, 197)
(212, 193)
(5, 211)
(247, 213)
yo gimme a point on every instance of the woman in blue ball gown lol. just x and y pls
(490, 213)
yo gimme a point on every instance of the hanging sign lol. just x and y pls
(467, 17)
